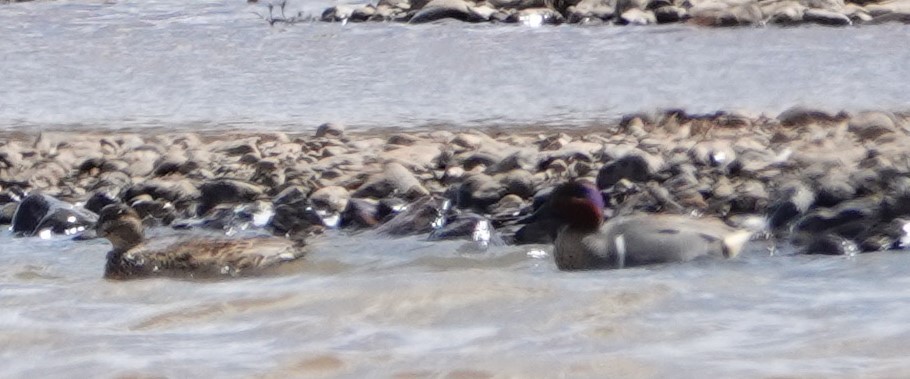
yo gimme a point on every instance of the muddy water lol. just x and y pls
(409, 308)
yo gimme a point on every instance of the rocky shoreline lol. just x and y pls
(622, 12)
(827, 183)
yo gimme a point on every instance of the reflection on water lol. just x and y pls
(205, 64)
(410, 308)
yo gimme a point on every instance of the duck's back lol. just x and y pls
(645, 239)
(649, 239)
(203, 258)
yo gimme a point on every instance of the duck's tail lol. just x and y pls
(734, 242)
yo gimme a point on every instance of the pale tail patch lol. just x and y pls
(733, 243)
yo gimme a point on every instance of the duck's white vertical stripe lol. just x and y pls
(620, 243)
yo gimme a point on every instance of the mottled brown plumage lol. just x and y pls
(135, 257)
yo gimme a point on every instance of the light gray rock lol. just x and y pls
(331, 199)
(442, 9)
(727, 14)
(636, 16)
(395, 180)
(871, 125)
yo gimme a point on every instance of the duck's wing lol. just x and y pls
(207, 257)
(649, 239)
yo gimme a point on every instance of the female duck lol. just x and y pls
(586, 242)
(134, 257)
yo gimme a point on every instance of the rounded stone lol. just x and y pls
(331, 199)
(479, 191)
(38, 211)
(330, 129)
(636, 167)
(394, 180)
(871, 125)
(223, 191)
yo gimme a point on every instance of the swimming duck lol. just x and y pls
(586, 242)
(135, 257)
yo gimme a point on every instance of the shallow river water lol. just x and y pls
(361, 305)
(364, 305)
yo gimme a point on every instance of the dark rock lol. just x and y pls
(38, 211)
(670, 14)
(169, 164)
(800, 116)
(330, 129)
(95, 166)
(360, 213)
(541, 226)
(295, 219)
(519, 182)
(363, 13)
(163, 213)
(228, 191)
(178, 191)
(470, 226)
(635, 167)
(831, 244)
(99, 200)
(460, 226)
(239, 148)
(621, 6)
(849, 219)
(794, 199)
(826, 17)
(833, 189)
(389, 207)
(896, 204)
(419, 217)
(479, 191)
(291, 194)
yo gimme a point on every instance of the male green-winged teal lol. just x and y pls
(585, 241)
